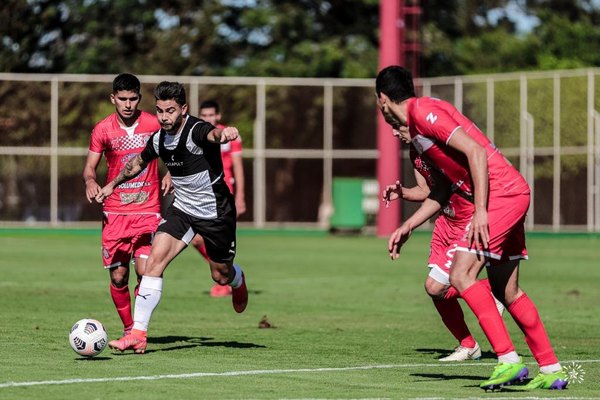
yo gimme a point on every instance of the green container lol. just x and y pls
(347, 204)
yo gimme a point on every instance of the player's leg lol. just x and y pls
(220, 241)
(216, 290)
(463, 276)
(119, 292)
(454, 319)
(164, 249)
(504, 280)
(172, 236)
(145, 225)
(116, 255)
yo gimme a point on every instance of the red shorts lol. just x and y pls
(444, 239)
(506, 221)
(125, 236)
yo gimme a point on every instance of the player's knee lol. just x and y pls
(434, 289)
(118, 281)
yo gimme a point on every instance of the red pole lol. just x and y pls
(388, 164)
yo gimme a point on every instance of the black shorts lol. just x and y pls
(218, 234)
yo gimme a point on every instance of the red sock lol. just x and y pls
(122, 301)
(202, 250)
(525, 314)
(452, 293)
(454, 319)
(480, 299)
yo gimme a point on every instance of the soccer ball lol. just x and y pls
(88, 337)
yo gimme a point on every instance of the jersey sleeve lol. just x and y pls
(200, 132)
(96, 141)
(150, 152)
(236, 146)
(436, 123)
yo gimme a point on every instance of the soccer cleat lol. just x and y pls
(505, 374)
(220, 290)
(133, 342)
(462, 353)
(239, 296)
(555, 381)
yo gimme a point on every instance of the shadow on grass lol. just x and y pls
(90, 359)
(444, 377)
(445, 352)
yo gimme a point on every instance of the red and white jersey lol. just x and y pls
(432, 122)
(119, 144)
(228, 151)
(458, 207)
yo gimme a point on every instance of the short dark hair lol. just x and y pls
(127, 82)
(170, 91)
(396, 83)
(210, 104)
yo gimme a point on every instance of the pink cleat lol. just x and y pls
(220, 290)
(239, 296)
(133, 341)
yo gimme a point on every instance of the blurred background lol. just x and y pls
(297, 79)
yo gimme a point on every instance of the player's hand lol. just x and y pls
(228, 134)
(240, 206)
(397, 239)
(166, 185)
(103, 194)
(91, 189)
(391, 193)
(479, 233)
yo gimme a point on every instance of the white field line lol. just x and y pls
(257, 372)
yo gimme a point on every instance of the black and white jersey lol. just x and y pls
(196, 169)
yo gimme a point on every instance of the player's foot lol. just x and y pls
(220, 290)
(506, 374)
(135, 342)
(462, 353)
(239, 296)
(127, 330)
(557, 380)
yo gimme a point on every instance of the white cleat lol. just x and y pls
(463, 354)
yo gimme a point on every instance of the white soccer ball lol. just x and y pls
(88, 337)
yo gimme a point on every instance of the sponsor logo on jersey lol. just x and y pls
(431, 118)
(138, 197)
(174, 163)
(105, 253)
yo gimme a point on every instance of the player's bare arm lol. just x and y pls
(224, 135)
(238, 176)
(427, 210)
(131, 169)
(477, 157)
(89, 175)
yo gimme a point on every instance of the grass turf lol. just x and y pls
(336, 303)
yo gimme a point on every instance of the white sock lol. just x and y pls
(550, 369)
(237, 278)
(146, 301)
(510, 358)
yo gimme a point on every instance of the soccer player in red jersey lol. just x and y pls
(434, 191)
(496, 236)
(132, 213)
(190, 149)
(233, 169)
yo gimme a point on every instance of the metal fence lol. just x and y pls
(300, 134)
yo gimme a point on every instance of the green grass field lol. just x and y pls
(349, 323)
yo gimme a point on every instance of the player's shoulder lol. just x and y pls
(148, 121)
(106, 124)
